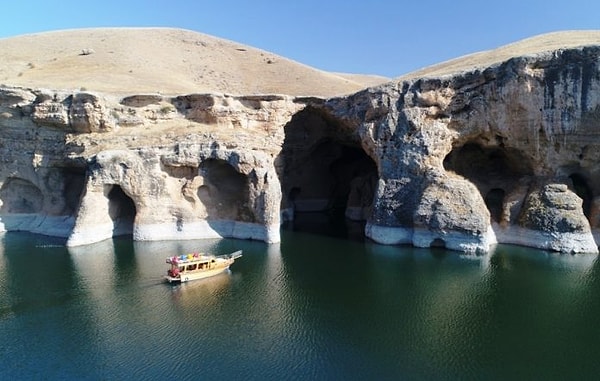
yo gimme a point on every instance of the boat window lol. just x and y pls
(192, 267)
(181, 268)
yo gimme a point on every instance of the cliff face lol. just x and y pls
(506, 153)
(88, 168)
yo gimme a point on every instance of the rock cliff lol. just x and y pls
(502, 153)
(88, 167)
(505, 150)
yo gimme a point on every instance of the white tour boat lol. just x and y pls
(198, 266)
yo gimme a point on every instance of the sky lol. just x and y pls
(382, 37)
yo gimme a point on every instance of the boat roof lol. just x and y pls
(190, 258)
(200, 257)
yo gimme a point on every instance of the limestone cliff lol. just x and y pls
(88, 167)
(503, 151)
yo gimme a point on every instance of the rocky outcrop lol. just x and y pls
(503, 153)
(194, 166)
(461, 157)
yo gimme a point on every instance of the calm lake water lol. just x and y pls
(310, 308)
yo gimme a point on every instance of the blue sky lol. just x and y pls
(385, 37)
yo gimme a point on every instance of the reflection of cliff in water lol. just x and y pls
(332, 223)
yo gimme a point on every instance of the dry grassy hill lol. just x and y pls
(537, 44)
(175, 61)
(163, 60)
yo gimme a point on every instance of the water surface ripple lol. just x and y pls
(310, 308)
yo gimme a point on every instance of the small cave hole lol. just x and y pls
(121, 210)
(494, 200)
(438, 243)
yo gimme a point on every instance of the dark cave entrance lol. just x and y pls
(495, 171)
(438, 243)
(494, 200)
(73, 189)
(583, 190)
(225, 192)
(328, 181)
(121, 210)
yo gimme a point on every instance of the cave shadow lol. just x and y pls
(48, 210)
(494, 170)
(328, 181)
(225, 192)
(20, 196)
(121, 210)
(582, 188)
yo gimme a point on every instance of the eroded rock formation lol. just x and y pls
(507, 153)
(504, 153)
(88, 168)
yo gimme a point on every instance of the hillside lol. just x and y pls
(160, 60)
(529, 46)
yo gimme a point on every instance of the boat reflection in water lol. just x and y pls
(207, 293)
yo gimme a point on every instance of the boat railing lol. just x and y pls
(187, 258)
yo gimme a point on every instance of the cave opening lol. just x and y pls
(328, 181)
(493, 170)
(121, 210)
(438, 243)
(225, 192)
(583, 190)
(74, 184)
(20, 196)
(494, 200)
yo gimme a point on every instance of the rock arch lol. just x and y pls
(106, 210)
(323, 168)
(496, 171)
(121, 210)
(224, 192)
(20, 196)
(45, 205)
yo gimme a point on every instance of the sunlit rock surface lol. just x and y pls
(504, 152)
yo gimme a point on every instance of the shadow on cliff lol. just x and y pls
(327, 179)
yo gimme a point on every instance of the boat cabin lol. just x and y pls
(197, 266)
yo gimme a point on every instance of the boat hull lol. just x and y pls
(195, 276)
(194, 266)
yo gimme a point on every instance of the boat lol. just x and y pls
(194, 266)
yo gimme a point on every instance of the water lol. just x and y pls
(311, 308)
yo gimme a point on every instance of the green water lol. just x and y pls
(310, 308)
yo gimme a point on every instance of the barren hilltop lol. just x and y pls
(529, 46)
(175, 61)
(161, 60)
